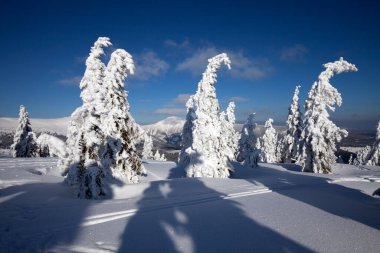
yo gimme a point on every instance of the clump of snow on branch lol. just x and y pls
(24, 140)
(320, 134)
(248, 152)
(201, 153)
(268, 143)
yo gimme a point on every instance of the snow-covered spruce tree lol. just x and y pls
(230, 138)
(158, 157)
(374, 154)
(291, 140)
(24, 140)
(120, 128)
(268, 143)
(248, 152)
(320, 134)
(200, 153)
(147, 152)
(85, 134)
(351, 160)
(362, 156)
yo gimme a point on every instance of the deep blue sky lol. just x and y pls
(274, 45)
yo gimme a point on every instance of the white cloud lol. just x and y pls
(148, 65)
(75, 80)
(176, 107)
(239, 99)
(294, 53)
(180, 45)
(182, 99)
(171, 111)
(241, 65)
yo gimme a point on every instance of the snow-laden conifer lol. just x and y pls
(201, 152)
(120, 128)
(374, 155)
(291, 140)
(229, 137)
(268, 143)
(248, 151)
(159, 157)
(85, 134)
(147, 152)
(320, 134)
(362, 156)
(24, 140)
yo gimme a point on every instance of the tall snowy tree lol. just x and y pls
(120, 128)
(268, 143)
(85, 134)
(200, 153)
(248, 152)
(24, 140)
(229, 138)
(147, 152)
(102, 132)
(374, 154)
(362, 156)
(291, 140)
(320, 134)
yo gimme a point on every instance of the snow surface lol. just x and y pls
(272, 208)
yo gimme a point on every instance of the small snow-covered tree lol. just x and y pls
(320, 134)
(147, 152)
(120, 153)
(200, 153)
(268, 143)
(24, 141)
(374, 155)
(52, 144)
(229, 137)
(248, 152)
(291, 140)
(158, 157)
(351, 160)
(362, 156)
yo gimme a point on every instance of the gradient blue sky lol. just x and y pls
(274, 46)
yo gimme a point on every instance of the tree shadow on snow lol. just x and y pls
(186, 215)
(317, 191)
(41, 217)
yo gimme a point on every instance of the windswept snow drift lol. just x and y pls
(271, 208)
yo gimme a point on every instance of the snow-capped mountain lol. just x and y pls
(58, 126)
(168, 126)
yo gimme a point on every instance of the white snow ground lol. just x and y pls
(272, 208)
